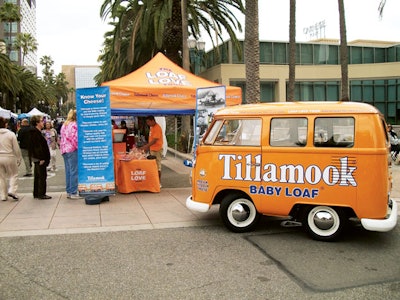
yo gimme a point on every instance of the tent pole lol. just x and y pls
(176, 134)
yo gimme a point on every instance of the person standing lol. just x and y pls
(23, 139)
(40, 156)
(113, 124)
(50, 134)
(155, 144)
(10, 159)
(69, 151)
(123, 126)
(394, 142)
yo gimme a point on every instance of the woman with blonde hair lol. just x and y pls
(69, 151)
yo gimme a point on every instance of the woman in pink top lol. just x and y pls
(69, 151)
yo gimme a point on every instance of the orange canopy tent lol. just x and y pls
(161, 87)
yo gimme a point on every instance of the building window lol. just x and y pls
(306, 54)
(267, 91)
(379, 55)
(333, 55)
(266, 53)
(383, 94)
(235, 57)
(355, 55)
(321, 54)
(394, 53)
(368, 55)
(316, 90)
(280, 53)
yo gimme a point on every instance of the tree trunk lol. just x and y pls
(343, 53)
(292, 51)
(186, 120)
(252, 52)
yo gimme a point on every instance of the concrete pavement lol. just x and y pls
(134, 211)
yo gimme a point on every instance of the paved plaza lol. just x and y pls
(134, 211)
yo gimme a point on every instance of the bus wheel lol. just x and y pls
(238, 213)
(324, 223)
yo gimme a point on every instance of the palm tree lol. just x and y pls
(25, 42)
(9, 82)
(10, 13)
(381, 7)
(48, 73)
(292, 51)
(143, 30)
(61, 90)
(32, 90)
(343, 53)
(186, 120)
(185, 36)
(252, 52)
(7, 74)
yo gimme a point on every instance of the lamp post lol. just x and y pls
(196, 52)
(41, 104)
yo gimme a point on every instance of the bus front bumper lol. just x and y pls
(196, 206)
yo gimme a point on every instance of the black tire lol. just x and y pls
(238, 213)
(324, 223)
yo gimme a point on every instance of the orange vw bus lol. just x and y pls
(320, 163)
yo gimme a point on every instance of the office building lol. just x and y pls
(79, 77)
(374, 72)
(27, 25)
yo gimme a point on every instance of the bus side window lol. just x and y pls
(240, 132)
(334, 132)
(288, 132)
(228, 132)
(250, 133)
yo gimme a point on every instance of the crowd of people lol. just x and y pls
(35, 142)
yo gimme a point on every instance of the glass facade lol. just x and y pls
(267, 90)
(26, 25)
(383, 93)
(276, 53)
(84, 77)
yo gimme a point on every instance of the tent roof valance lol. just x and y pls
(161, 87)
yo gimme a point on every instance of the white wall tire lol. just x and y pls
(324, 223)
(238, 213)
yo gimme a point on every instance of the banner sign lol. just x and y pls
(95, 153)
(208, 101)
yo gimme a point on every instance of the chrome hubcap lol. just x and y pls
(323, 220)
(239, 213)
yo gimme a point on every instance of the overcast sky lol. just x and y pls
(71, 31)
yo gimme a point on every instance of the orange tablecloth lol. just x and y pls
(136, 175)
(119, 148)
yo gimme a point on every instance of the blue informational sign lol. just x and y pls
(208, 101)
(95, 154)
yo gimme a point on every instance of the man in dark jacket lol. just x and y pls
(40, 156)
(24, 140)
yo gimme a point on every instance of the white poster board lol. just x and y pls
(208, 101)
